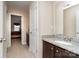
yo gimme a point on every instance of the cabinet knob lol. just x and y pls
(52, 48)
(57, 51)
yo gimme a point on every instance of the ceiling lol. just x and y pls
(19, 4)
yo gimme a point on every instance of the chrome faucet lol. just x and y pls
(68, 39)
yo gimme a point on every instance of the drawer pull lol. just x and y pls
(51, 48)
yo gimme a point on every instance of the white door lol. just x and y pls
(33, 29)
(1, 49)
(1, 21)
(1, 31)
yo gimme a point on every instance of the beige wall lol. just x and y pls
(25, 21)
(23, 13)
(59, 18)
(47, 18)
(51, 17)
(70, 21)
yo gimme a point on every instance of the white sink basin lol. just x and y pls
(63, 42)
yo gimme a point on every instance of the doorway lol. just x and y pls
(15, 28)
(18, 9)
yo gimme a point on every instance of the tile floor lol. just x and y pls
(18, 51)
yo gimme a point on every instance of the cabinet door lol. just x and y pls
(70, 54)
(48, 50)
(58, 52)
(52, 51)
(62, 53)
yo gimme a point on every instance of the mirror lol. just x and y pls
(71, 21)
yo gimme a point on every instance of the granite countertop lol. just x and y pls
(61, 42)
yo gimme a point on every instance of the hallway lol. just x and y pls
(18, 51)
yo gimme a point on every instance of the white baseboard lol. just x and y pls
(32, 52)
(23, 43)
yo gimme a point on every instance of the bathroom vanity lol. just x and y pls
(59, 48)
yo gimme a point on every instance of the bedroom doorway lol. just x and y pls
(15, 29)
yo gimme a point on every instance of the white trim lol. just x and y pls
(32, 52)
(70, 6)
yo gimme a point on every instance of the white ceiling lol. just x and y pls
(19, 4)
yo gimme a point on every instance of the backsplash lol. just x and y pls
(61, 36)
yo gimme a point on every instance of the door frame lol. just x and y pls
(20, 25)
(10, 42)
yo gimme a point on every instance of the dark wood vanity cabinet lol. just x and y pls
(48, 50)
(52, 51)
